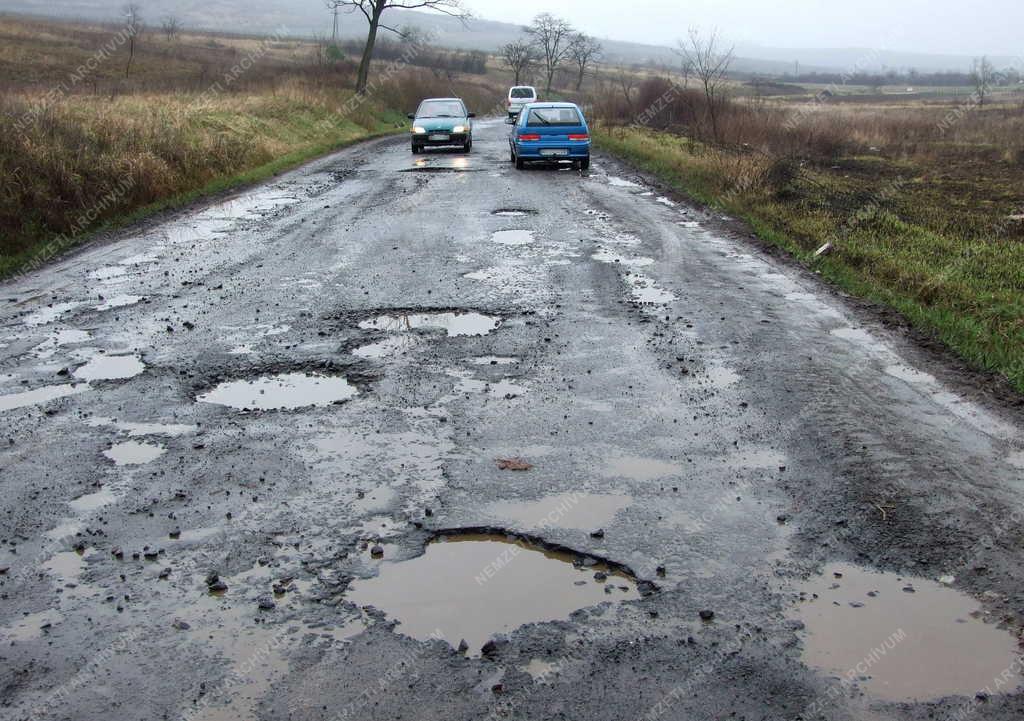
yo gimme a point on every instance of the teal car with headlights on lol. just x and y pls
(442, 122)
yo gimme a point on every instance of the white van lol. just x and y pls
(519, 96)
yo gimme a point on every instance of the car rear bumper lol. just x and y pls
(553, 150)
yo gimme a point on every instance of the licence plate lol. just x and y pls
(554, 151)
(438, 136)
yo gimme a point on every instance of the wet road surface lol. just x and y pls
(428, 437)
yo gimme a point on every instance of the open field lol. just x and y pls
(923, 212)
(94, 141)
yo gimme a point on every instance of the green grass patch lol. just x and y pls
(961, 282)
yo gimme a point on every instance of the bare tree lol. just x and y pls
(710, 63)
(552, 37)
(133, 27)
(373, 10)
(170, 26)
(584, 50)
(627, 80)
(983, 75)
(519, 56)
(686, 70)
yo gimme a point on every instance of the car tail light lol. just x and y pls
(529, 136)
(579, 137)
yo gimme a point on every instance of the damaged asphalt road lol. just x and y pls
(423, 438)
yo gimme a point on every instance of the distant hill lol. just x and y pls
(307, 17)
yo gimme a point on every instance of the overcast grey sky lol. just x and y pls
(969, 27)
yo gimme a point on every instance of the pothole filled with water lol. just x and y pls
(454, 324)
(586, 511)
(110, 368)
(281, 392)
(513, 237)
(513, 212)
(40, 395)
(640, 468)
(134, 453)
(472, 587)
(903, 638)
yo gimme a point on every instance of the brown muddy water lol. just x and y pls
(903, 638)
(455, 324)
(472, 587)
(281, 392)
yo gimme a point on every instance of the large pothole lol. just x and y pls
(283, 391)
(474, 584)
(454, 323)
(903, 638)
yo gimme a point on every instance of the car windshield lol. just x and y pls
(554, 116)
(522, 92)
(441, 109)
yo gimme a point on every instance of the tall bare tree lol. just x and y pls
(983, 75)
(552, 37)
(133, 27)
(710, 63)
(170, 26)
(373, 10)
(519, 56)
(584, 50)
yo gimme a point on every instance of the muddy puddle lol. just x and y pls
(134, 453)
(454, 324)
(119, 301)
(93, 501)
(513, 237)
(135, 430)
(385, 348)
(503, 388)
(473, 587)
(281, 392)
(617, 182)
(40, 395)
(607, 256)
(902, 638)
(722, 377)
(513, 212)
(586, 511)
(68, 336)
(640, 468)
(110, 368)
(50, 313)
(646, 292)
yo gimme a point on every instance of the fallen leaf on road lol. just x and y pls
(513, 464)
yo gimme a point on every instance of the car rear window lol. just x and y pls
(441, 109)
(523, 93)
(554, 116)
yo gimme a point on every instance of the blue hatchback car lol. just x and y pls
(550, 132)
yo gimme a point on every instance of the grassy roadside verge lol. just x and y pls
(90, 164)
(892, 236)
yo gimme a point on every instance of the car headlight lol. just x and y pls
(459, 129)
(418, 130)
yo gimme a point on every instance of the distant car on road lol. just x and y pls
(519, 96)
(441, 122)
(550, 132)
